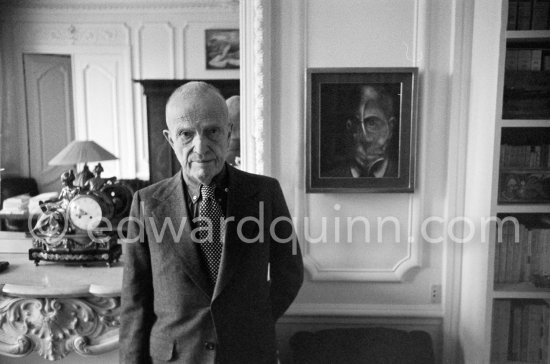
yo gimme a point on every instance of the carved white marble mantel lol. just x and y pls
(55, 309)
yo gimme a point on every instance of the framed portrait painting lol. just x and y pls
(222, 49)
(361, 134)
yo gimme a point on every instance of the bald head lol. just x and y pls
(198, 130)
(186, 102)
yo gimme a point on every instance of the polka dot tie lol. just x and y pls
(211, 242)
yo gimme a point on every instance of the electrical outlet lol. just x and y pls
(435, 293)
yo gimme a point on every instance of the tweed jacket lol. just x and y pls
(171, 313)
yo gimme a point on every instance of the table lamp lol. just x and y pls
(81, 151)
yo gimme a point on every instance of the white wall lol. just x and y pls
(481, 180)
(370, 33)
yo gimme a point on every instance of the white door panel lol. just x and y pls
(48, 89)
(101, 96)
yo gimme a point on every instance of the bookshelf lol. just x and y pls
(520, 255)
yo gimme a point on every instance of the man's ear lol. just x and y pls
(166, 134)
(230, 127)
(349, 124)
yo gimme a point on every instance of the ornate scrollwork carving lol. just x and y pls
(259, 86)
(74, 34)
(54, 327)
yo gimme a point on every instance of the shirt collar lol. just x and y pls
(194, 189)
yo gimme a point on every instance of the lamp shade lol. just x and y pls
(81, 151)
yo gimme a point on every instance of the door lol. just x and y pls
(49, 99)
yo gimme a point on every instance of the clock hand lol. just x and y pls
(80, 213)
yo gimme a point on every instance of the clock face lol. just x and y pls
(85, 212)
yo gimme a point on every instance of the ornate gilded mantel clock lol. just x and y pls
(80, 226)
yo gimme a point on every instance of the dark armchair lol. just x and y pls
(13, 186)
(362, 346)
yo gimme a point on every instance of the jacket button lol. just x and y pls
(209, 345)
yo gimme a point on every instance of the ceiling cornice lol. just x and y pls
(120, 4)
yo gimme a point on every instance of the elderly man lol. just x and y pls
(211, 259)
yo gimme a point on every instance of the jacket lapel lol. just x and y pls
(240, 203)
(172, 205)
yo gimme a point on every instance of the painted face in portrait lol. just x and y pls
(199, 133)
(372, 130)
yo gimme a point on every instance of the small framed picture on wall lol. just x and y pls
(222, 49)
(361, 134)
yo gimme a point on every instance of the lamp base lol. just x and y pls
(83, 176)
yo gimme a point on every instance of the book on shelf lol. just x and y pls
(515, 350)
(511, 60)
(524, 59)
(535, 59)
(525, 9)
(517, 260)
(501, 327)
(526, 94)
(545, 60)
(528, 15)
(520, 331)
(541, 11)
(511, 257)
(500, 262)
(534, 332)
(512, 15)
(545, 339)
(525, 274)
(535, 251)
(540, 252)
(525, 156)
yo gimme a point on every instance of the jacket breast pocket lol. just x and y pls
(161, 348)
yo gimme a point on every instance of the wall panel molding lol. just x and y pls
(255, 86)
(78, 34)
(181, 39)
(359, 309)
(394, 271)
(43, 86)
(150, 50)
(99, 108)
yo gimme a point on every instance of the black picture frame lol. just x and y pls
(341, 154)
(222, 49)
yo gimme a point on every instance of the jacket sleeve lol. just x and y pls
(286, 265)
(137, 314)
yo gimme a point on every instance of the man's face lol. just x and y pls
(371, 130)
(199, 132)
